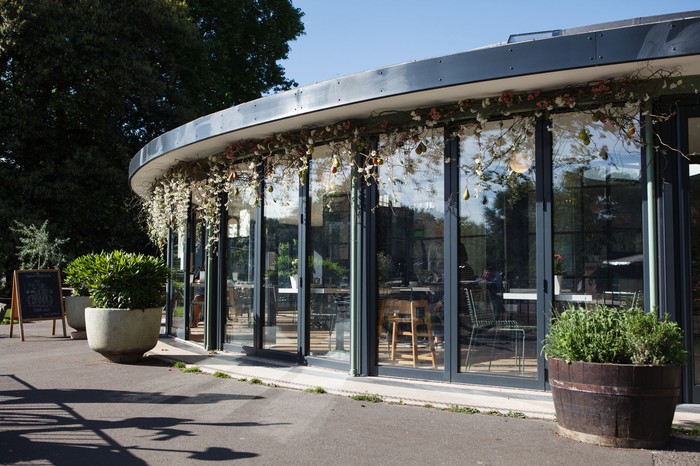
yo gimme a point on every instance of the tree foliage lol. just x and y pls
(84, 84)
(36, 249)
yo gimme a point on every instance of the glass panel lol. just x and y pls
(496, 251)
(329, 256)
(281, 210)
(410, 263)
(198, 278)
(597, 214)
(240, 237)
(694, 172)
(177, 294)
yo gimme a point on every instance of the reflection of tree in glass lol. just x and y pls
(490, 154)
(405, 172)
(580, 142)
(326, 182)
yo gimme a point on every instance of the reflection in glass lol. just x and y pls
(497, 257)
(197, 283)
(410, 263)
(281, 217)
(177, 293)
(239, 266)
(597, 214)
(329, 256)
(694, 187)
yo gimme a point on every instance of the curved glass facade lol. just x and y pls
(437, 242)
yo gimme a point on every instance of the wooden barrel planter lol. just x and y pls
(618, 405)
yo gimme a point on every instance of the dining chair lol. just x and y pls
(483, 319)
(410, 318)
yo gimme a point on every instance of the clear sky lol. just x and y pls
(349, 36)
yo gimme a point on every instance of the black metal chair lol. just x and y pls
(483, 318)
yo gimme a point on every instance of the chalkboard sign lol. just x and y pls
(36, 295)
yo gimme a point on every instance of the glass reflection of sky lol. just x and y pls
(411, 180)
(323, 180)
(608, 155)
(495, 136)
(283, 201)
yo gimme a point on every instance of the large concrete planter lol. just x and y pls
(618, 405)
(75, 311)
(122, 335)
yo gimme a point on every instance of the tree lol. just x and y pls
(36, 249)
(85, 84)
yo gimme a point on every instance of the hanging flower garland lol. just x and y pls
(248, 162)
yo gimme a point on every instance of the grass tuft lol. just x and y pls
(319, 390)
(688, 431)
(221, 375)
(462, 409)
(367, 397)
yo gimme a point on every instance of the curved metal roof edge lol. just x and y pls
(676, 36)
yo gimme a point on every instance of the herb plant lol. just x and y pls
(614, 335)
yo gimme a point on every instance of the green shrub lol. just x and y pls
(78, 274)
(614, 335)
(120, 279)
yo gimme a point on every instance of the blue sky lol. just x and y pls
(349, 36)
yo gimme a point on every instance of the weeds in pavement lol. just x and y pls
(688, 431)
(255, 381)
(183, 367)
(462, 409)
(320, 390)
(367, 397)
(221, 375)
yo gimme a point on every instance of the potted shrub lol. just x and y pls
(128, 291)
(76, 278)
(615, 375)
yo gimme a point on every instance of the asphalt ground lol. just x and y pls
(61, 403)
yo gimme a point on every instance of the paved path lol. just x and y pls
(61, 403)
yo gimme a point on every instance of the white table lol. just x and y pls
(315, 290)
(525, 294)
